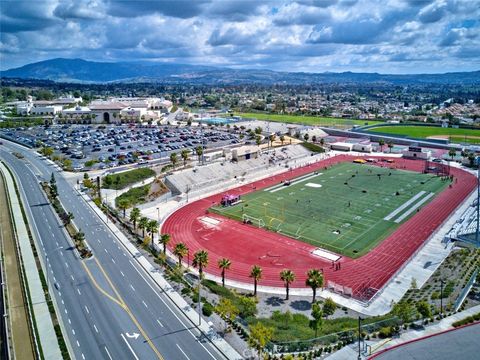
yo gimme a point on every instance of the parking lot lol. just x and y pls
(118, 145)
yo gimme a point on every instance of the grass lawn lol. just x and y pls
(135, 196)
(307, 120)
(341, 209)
(124, 179)
(455, 135)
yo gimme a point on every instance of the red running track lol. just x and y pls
(247, 245)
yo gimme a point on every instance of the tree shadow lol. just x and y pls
(301, 305)
(274, 301)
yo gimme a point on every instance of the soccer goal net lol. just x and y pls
(247, 219)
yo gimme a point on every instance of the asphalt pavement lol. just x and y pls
(110, 309)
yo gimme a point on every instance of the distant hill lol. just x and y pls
(78, 70)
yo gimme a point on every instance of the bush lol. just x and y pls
(207, 309)
(124, 179)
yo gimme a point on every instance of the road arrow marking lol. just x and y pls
(134, 335)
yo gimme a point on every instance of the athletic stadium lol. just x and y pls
(358, 219)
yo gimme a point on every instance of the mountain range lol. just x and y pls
(83, 71)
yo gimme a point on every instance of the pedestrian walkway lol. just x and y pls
(42, 318)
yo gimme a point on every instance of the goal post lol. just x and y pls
(253, 220)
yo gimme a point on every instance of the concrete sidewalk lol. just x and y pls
(42, 318)
(180, 302)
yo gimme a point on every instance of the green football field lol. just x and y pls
(348, 208)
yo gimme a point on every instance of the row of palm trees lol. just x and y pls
(315, 279)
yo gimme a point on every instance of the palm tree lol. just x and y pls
(142, 224)
(164, 240)
(123, 204)
(173, 159)
(390, 146)
(224, 264)
(256, 274)
(199, 152)
(200, 260)
(152, 228)
(287, 276)
(314, 280)
(452, 153)
(134, 216)
(271, 138)
(180, 250)
(282, 138)
(184, 155)
(381, 143)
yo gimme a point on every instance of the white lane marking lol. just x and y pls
(106, 250)
(72, 277)
(61, 253)
(106, 350)
(86, 309)
(183, 352)
(144, 304)
(132, 287)
(78, 291)
(83, 356)
(95, 328)
(159, 323)
(63, 302)
(173, 312)
(78, 344)
(66, 312)
(54, 279)
(69, 321)
(56, 242)
(73, 332)
(113, 260)
(66, 265)
(121, 272)
(126, 342)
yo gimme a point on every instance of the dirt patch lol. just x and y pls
(17, 304)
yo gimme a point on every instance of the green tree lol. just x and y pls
(256, 275)
(306, 136)
(424, 309)
(258, 139)
(173, 159)
(314, 280)
(248, 306)
(287, 276)
(185, 153)
(143, 224)
(258, 130)
(200, 261)
(165, 239)
(107, 181)
(227, 310)
(329, 307)
(69, 218)
(404, 310)
(152, 228)
(390, 146)
(134, 216)
(260, 336)
(317, 315)
(199, 152)
(180, 250)
(46, 151)
(381, 143)
(271, 138)
(452, 153)
(123, 204)
(224, 264)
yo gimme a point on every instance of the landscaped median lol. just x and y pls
(47, 339)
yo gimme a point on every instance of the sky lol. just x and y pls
(385, 36)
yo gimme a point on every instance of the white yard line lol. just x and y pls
(404, 206)
(413, 208)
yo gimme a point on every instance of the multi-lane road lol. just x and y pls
(108, 305)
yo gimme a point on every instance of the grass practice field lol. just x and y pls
(307, 120)
(455, 135)
(348, 208)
